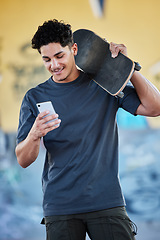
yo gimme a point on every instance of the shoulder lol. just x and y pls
(37, 89)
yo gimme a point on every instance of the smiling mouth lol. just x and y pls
(58, 71)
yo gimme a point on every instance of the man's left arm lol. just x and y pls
(148, 95)
(146, 91)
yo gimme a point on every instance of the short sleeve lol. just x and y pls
(26, 120)
(130, 101)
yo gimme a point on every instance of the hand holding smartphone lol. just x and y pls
(46, 106)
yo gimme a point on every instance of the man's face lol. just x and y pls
(60, 62)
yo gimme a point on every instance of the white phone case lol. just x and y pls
(46, 106)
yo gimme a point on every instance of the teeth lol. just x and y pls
(58, 70)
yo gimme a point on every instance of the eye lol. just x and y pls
(60, 56)
(47, 60)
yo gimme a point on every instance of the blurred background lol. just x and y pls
(134, 23)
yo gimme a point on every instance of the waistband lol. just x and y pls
(116, 211)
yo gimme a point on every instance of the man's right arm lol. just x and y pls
(27, 151)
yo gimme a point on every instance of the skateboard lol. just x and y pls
(94, 58)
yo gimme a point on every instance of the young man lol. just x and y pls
(80, 178)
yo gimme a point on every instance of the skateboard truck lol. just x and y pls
(137, 66)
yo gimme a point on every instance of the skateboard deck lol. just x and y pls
(94, 58)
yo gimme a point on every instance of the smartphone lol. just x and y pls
(46, 106)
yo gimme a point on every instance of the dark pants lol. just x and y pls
(111, 224)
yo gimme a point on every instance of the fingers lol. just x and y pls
(116, 48)
(48, 121)
(45, 123)
(44, 117)
(51, 124)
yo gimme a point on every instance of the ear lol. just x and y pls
(74, 49)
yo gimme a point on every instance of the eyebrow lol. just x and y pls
(44, 57)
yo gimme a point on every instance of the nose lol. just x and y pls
(54, 63)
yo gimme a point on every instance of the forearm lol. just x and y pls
(27, 151)
(148, 95)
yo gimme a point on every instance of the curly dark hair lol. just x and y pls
(53, 31)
